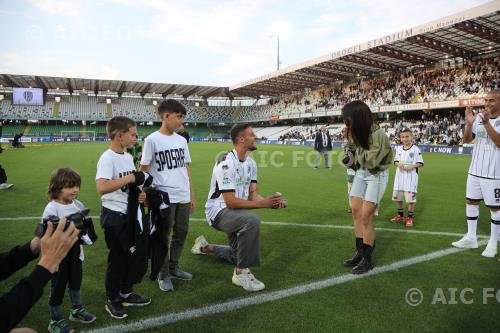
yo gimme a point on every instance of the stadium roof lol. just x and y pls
(115, 86)
(466, 34)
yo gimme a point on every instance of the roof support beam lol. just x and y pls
(190, 92)
(145, 90)
(372, 63)
(275, 86)
(329, 75)
(300, 78)
(440, 46)
(169, 90)
(348, 70)
(401, 55)
(69, 86)
(228, 93)
(479, 30)
(10, 81)
(40, 83)
(285, 84)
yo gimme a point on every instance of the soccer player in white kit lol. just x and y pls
(408, 160)
(483, 181)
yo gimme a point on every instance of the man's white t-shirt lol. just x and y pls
(112, 166)
(168, 157)
(229, 175)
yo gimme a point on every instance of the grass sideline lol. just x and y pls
(291, 255)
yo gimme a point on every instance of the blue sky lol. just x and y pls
(207, 42)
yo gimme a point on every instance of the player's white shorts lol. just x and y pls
(484, 189)
(408, 197)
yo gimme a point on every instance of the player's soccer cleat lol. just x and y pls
(135, 300)
(165, 283)
(199, 243)
(178, 273)
(82, 316)
(364, 266)
(409, 222)
(246, 280)
(116, 310)
(490, 251)
(59, 326)
(397, 218)
(465, 243)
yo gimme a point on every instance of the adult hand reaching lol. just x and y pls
(55, 245)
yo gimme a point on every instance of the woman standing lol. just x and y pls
(372, 150)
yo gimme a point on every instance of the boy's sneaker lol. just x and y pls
(82, 316)
(199, 243)
(135, 300)
(59, 326)
(490, 251)
(246, 280)
(178, 273)
(397, 218)
(466, 243)
(116, 310)
(165, 283)
(409, 222)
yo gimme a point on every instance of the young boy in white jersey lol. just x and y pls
(63, 190)
(166, 157)
(233, 191)
(115, 171)
(408, 160)
(483, 181)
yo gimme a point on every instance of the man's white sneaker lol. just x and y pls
(5, 186)
(466, 243)
(199, 243)
(490, 251)
(246, 280)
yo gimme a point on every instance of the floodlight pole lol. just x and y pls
(278, 51)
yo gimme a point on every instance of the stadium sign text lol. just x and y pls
(400, 35)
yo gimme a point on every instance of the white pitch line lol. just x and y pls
(266, 297)
(301, 225)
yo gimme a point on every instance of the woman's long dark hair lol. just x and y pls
(358, 119)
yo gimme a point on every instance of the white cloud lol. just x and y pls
(61, 64)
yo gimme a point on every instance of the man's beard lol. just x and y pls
(252, 148)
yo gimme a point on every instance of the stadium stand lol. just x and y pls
(450, 82)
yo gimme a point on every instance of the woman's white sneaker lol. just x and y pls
(247, 281)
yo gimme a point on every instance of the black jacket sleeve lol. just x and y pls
(14, 260)
(16, 304)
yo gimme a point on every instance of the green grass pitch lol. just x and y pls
(291, 255)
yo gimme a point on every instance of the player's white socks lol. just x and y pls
(495, 226)
(472, 212)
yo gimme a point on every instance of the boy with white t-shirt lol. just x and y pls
(166, 157)
(115, 171)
